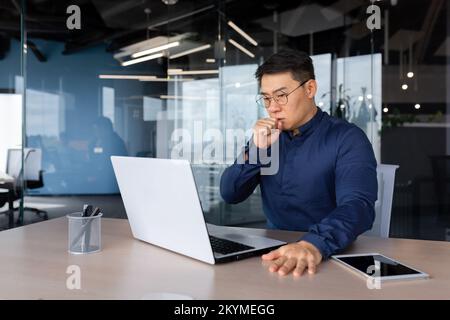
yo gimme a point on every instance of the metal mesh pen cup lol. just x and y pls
(84, 233)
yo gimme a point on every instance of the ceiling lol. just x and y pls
(336, 25)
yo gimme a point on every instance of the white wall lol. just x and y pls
(10, 124)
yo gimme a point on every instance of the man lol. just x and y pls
(326, 183)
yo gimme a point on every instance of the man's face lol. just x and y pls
(299, 103)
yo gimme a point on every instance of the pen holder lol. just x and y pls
(84, 233)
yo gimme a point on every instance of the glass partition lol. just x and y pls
(13, 50)
(175, 79)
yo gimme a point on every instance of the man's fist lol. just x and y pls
(266, 132)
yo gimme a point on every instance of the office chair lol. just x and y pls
(33, 178)
(6, 197)
(383, 205)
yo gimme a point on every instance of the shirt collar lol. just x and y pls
(308, 127)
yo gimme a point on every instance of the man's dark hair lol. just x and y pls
(298, 63)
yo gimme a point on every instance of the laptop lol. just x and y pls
(163, 209)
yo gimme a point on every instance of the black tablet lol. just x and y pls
(375, 265)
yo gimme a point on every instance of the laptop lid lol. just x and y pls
(162, 205)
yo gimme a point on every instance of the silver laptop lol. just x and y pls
(164, 209)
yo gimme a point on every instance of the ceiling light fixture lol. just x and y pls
(237, 45)
(166, 79)
(169, 2)
(242, 33)
(142, 59)
(140, 78)
(187, 98)
(183, 53)
(156, 49)
(124, 77)
(178, 72)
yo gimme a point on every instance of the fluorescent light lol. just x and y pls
(125, 77)
(210, 60)
(237, 45)
(156, 49)
(242, 33)
(183, 53)
(167, 79)
(139, 60)
(177, 72)
(174, 70)
(140, 78)
(186, 98)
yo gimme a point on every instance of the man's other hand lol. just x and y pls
(294, 257)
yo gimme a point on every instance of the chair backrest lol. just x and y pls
(383, 206)
(33, 163)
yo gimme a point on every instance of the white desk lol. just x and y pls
(34, 261)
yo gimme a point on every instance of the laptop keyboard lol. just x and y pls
(224, 246)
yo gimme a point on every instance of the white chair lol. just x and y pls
(383, 206)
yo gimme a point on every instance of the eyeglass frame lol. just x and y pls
(273, 98)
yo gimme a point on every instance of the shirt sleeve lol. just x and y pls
(356, 192)
(240, 179)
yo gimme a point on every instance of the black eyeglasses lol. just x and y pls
(280, 99)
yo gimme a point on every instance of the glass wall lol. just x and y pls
(225, 88)
(13, 49)
(175, 79)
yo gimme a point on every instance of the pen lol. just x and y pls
(88, 211)
(93, 213)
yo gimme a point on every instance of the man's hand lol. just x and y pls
(294, 257)
(266, 132)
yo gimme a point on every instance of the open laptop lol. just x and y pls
(163, 208)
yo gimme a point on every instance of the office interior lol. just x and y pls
(72, 96)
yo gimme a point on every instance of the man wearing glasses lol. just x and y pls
(326, 183)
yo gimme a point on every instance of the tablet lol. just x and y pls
(380, 267)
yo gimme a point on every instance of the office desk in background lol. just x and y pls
(34, 261)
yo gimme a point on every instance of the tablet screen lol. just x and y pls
(386, 266)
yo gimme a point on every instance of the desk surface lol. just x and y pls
(34, 261)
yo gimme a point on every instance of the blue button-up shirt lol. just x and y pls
(326, 183)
